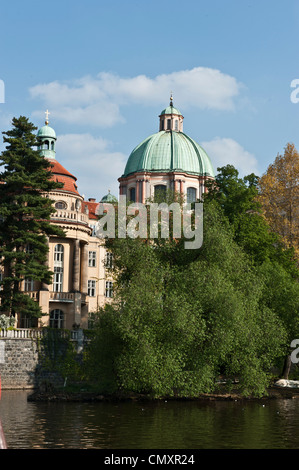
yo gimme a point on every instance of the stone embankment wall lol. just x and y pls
(20, 365)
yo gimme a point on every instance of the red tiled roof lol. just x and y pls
(61, 175)
(57, 168)
(69, 184)
(92, 206)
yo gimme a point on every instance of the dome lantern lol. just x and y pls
(47, 139)
(171, 119)
(168, 159)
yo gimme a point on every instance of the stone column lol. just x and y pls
(182, 187)
(84, 262)
(137, 191)
(76, 266)
(143, 191)
(45, 286)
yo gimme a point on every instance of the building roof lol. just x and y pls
(169, 151)
(61, 175)
(58, 169)
(171, 110)
(46, 131)
(109, 198)
(92, 209)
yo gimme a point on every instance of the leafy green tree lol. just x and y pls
(174, 326)
(25, 210)
(240, 202)
(243, 201)
(281, 295)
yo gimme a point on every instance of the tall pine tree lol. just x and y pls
(25, 211)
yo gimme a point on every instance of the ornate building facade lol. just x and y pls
(167, 160)
(82, 280)
(79, 261)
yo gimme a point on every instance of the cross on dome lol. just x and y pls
(47, 117)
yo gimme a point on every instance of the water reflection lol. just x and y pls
(165, 425)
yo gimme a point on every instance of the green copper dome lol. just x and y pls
(109, 198)
(171, 110)
(168, 151)
(46, 131)
(46, 141)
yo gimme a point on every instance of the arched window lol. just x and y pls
(46, 145)
(58, 253)
(56, 319)
(191, 195)
(52, 145)
(132, 196)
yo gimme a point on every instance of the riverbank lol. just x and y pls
(83, 396)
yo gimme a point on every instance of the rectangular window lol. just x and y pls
(28, 285)
(57, 279)
(29, 248)
(109, 260)
(109, 289)
(93, 228)
(91, 288)
(191, 195)
(168, 124)
(92, 256)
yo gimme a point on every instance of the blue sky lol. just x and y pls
(105, 71)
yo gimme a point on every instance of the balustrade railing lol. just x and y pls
(21, 333)
(28, 333)
(62, 296)
(70, 215)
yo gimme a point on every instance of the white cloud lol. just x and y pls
(98, 100)
(224, 151)
(92, 162)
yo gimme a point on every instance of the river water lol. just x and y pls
(273, 424)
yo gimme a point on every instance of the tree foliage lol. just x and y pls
(279, 196)
(240, 202)
(173, 327)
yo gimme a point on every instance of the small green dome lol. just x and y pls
(46, 131)
(170, 110)
(109, 198)
(168, 151)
